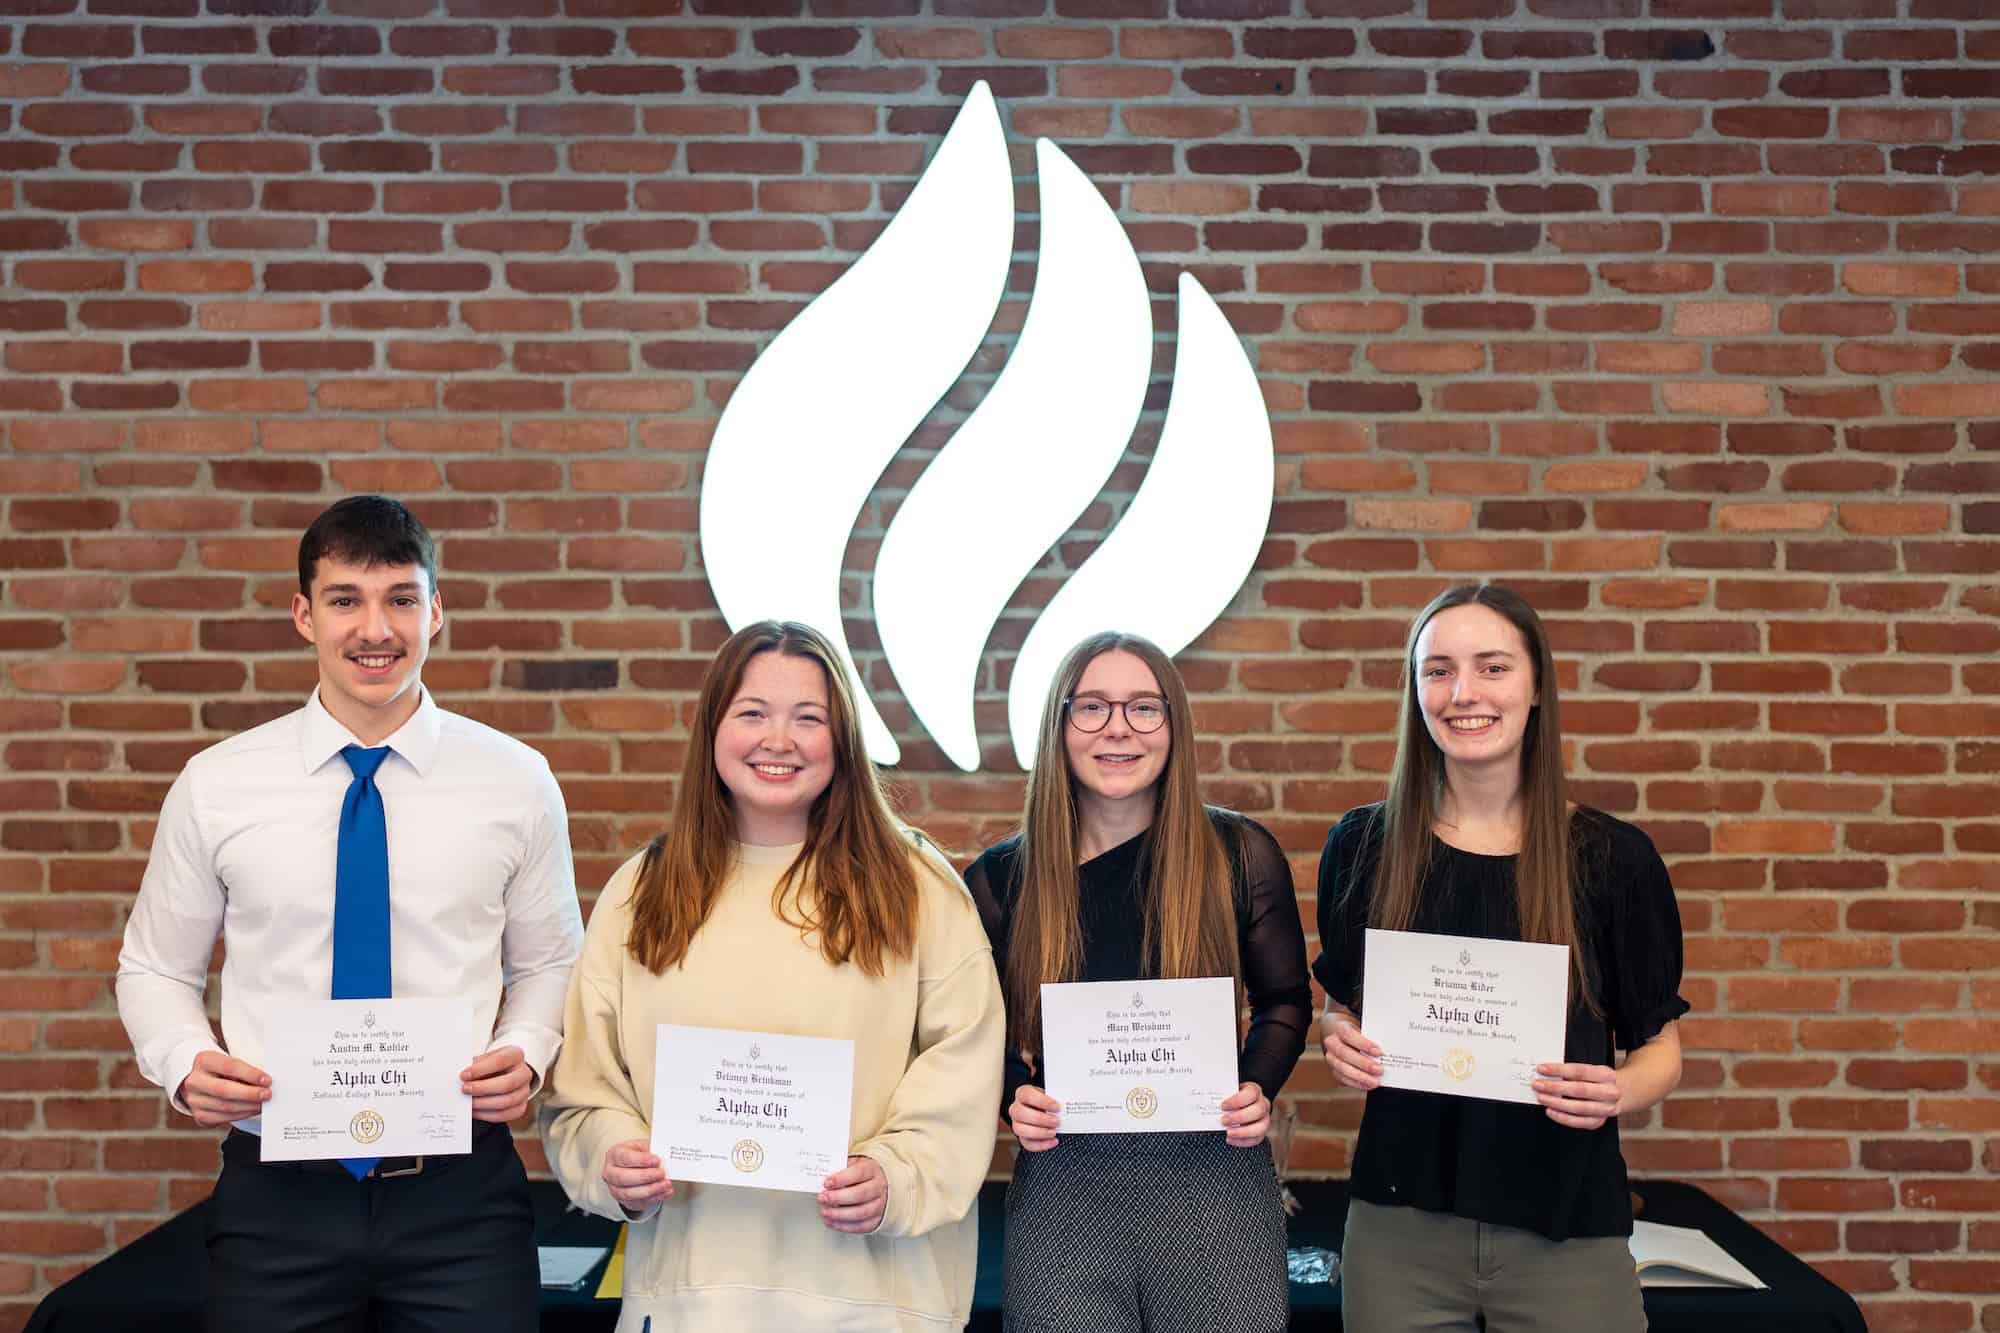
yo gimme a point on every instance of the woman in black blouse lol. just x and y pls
(1121, 873)
(1466, 1210)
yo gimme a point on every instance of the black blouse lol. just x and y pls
(1270, 940)
(1506, 1162)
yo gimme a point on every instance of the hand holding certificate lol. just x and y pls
(1140, 1056)
(751, 1108)
(1468, 1017)
(366, 1078)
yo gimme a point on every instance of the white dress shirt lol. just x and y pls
(482, 892)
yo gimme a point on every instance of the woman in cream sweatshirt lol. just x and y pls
(786, 898)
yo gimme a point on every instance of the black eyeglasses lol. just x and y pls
(1092, 712)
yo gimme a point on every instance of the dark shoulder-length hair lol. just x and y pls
(855, 880)
(1545, 874)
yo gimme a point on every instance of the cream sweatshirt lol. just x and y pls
(927, 1059)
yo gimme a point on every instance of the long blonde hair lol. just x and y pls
(1545, 872)
(1190, 917)
(853, 882)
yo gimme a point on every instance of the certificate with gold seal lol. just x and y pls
(1128, 1057)
(366, 1078)
(758, 1109)
(1464, 1016)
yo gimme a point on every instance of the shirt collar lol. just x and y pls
(416, 740)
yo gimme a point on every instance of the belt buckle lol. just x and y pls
(415, 1170)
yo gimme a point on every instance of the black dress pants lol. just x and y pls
(307, 1248)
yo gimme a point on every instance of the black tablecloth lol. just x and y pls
(154, 1285)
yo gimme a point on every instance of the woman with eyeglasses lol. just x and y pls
(1466, 1213)
(1121, 873)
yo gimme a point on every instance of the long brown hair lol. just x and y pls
(1190, 925)
(853, 882)
(1545, 871)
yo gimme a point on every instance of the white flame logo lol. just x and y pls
(820, 414)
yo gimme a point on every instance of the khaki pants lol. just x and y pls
(1403, 1269)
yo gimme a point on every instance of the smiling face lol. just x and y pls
(1120, 762)
(1476, 681)
(371, 628)
(774, 749)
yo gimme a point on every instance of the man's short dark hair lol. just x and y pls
(367, 530)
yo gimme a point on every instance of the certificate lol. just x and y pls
(1471, 1017)
(751, 1108)
(366, 1078)
(1140, 1056)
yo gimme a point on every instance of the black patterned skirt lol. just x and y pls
(1145, 1233)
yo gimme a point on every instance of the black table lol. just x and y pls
(154, 1285)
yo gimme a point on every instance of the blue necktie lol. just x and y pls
(361, 896)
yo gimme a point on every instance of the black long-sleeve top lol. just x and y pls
(1507, 1162)
(1270, 940)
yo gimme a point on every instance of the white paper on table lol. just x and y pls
(366, 1078)
(1464, 1016)
(760, 1109)
(1128, 1057)
(1684, 1257)
(566, 1266)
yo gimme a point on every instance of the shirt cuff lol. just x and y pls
(538, 1050)
(1654, 1021)
(577, 1150)
(179, 1064)
(895, 1220)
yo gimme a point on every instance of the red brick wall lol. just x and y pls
(1681, 315)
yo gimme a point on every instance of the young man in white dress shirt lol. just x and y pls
(480, 906)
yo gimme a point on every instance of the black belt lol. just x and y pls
(244, 1148)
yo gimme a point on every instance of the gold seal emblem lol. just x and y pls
(1458, 1064)
(366, 1127)
(1140, 1103)
(747, 1156)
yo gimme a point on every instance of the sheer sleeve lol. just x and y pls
(1343, 910)
(1272, 946)
(1643, 985)
(995, 902)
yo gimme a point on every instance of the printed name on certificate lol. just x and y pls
(1140, 1057)
(765, 1110)
(1461, 1015)
(366, 1078)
